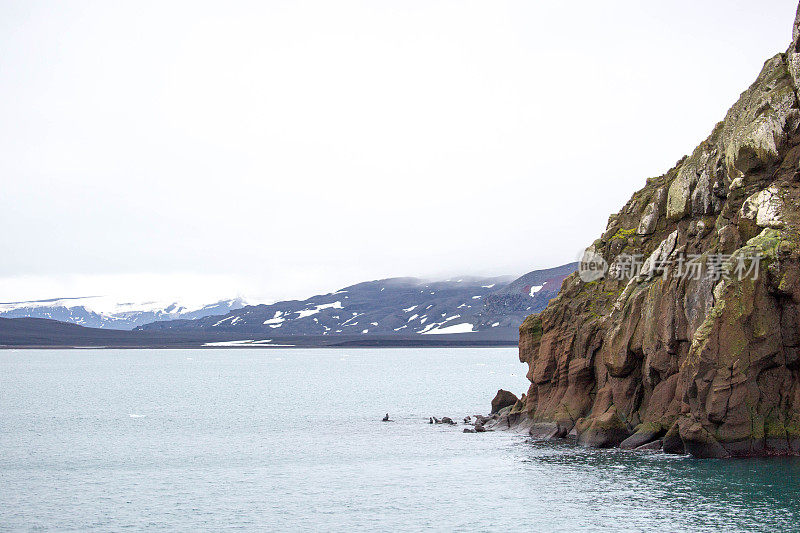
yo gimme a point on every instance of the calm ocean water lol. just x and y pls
(292, 440)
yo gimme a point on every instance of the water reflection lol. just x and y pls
(637, 489)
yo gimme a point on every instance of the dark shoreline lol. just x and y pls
(37, 333)
(256, 346)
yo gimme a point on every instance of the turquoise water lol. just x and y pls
(292, 440)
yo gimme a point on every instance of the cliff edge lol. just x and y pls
(690, 339)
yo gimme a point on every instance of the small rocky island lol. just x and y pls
(499, 418)
(710, 364)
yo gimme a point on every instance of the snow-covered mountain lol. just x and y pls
(110, 313)
(394, 306)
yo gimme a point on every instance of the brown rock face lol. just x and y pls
(503, 399)
(706, 363)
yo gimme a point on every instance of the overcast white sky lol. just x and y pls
(280, 149)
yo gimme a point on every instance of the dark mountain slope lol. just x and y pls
(397, 306)
(44, 333)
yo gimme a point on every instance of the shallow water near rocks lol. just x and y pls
(290, 439)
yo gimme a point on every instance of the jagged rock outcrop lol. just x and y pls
(503, 399)
(707, 364)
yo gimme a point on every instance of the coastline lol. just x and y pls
(390, 345)
(37, 333)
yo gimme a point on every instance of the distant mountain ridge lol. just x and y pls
(107, 313)
(395, 306)
(458, 310)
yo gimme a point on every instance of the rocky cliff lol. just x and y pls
(700, 360)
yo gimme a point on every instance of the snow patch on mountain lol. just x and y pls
(466, 327)
(308, 312)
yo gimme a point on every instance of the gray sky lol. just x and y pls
(280, 149)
